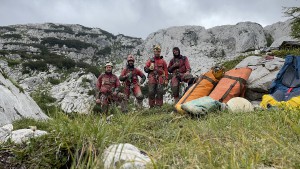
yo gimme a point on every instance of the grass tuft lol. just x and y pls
(218, 140)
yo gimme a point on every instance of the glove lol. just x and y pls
(151, 66)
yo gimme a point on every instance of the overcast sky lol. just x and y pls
(139, 18)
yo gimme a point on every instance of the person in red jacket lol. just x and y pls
(108, 85)
(129, 76)
(180, 68)
(157, 70)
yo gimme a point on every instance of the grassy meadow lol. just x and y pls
(219, 140)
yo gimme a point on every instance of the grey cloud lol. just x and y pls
(140, 18)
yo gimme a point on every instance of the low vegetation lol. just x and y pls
(219, 140)
(69, 43)
(283, 53)
(230, 64)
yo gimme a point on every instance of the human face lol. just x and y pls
(156, 53)
(108, 69)
(175, 52)
(130, 63)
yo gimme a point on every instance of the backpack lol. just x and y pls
(203, 86)
(287, 82)
(232, 84)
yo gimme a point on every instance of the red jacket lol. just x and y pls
(107, 82)
(160, 66)
(134, 79)
(184, 65)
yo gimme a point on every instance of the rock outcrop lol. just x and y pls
(16, 104)
(264, 71)
(76, 94)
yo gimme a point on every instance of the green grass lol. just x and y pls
(230, 64)
(219, 140)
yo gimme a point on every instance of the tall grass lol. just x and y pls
(219, 140)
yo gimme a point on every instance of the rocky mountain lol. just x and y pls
(15, 103)
(65, 59)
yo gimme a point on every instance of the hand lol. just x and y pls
(176, 65)
(151, 66)
(166, 82)
(129, 75)
(98, 101)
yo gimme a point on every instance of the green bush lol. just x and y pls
(94, 69)
(269, 39)
(8, 28)
(44, 100)
(12, 62)
(36, 65)
(232, 63)
(4, 52)
(69, 43)
(104, 51)
(92, 35)
(34, 38)
(12, 36)
(54, 81)
(283, 53)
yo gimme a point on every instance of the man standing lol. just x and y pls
(108, 85)
(157, 70)
(180, 68)
(129, 76)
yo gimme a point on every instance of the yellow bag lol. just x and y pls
(267, 99)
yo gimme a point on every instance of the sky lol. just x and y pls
(139, 18)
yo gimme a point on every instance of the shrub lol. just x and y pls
(69, 31)
(283, 53)
(269, 39)
(68, 63)
(35, 65)
(232, 63)
(104, 51)
(54, 81)
(92, 92)
(12, 62)
(4, 52)
(8, 28)
(93, 69)
(44, 100)
(69, 43)
(12, 36)
(84, 80)
(82, 64)
(34, 38)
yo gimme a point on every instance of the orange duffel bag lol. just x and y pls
(203, 86)
(232, 84)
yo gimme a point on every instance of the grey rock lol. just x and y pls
(15, 104)
(263, 73)
(125, 156)
(74, 95)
